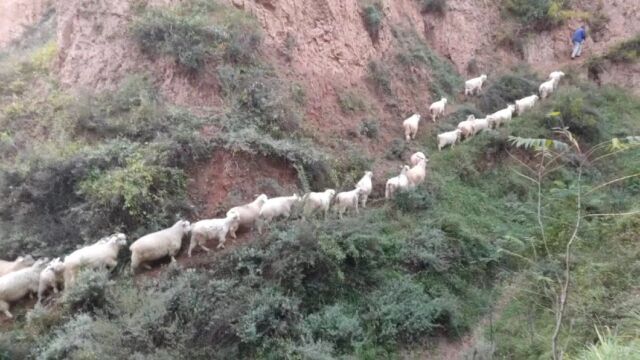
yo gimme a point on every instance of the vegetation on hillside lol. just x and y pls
(495, 209)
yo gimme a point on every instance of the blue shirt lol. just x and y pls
(579, 35)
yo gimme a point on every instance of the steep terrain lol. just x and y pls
(99, 135)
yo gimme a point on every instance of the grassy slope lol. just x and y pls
(423, 265)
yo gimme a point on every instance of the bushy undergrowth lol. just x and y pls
(373, 15)
(627, 51)
(506, 90)
(537, 14)
(187, 34)
(433, 6)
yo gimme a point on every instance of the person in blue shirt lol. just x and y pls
(578, 39)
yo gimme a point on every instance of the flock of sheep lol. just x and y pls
(26, 276)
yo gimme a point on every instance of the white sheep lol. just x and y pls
(348, 200)
(20, 262)
(16, 285)
(315, 201)
(437, 108)
(416, 174)
(479, 125)
(473, 86)
(367, 186)
(526, 103)
(411, 126)
(159, 244)
(50, 278)
(277, 207)
(467, 127)
(556, 76)
(248, 214)
(400, 182)
(546, 88)
(448, 138)
(502, 116)
(416, 157)
(101, 254)
(212, 229)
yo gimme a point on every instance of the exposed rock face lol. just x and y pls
(322, 44)
(17, 15)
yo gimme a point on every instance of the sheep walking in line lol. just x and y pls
(19, 263)
(546, 88)
(473, 86)
(50, 278)
(448, 138)
(556, 76)
(367, 186)
(348, 200)
(158, 245)
(100, 254)
(248, 214)
(479, 125)
(212, 229)
(526, 103)
(318, 201)
(275, 208)
(411, 127)
(502, 116)
(467, 127)
(18, 284)
(400, 182)
(417, 174)
(416, 158)
(437, 109)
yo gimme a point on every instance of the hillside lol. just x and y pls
(126, 116)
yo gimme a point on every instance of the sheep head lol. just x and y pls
(119, 239)
(184, 225)
(40, 264)
(233, 215)
(331, 192)
(261, 199)
(483, 77)
(511, 107)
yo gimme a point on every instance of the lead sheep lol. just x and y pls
(502, 116)
(437, 108)
(158, 245)
(411, 126)
(275, 208)
(212, 229)
(394, 184)
(348, 200)
(473, 86)
(248, 214)
(50, 278)
(448, 138)
(19, 263)
(20, 283)
(366, 186)
(556, 76)
(416, 174)
(318, 201)
(416, 157)
(101, 254)
(526, 103)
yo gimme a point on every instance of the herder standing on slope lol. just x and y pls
(578, 39)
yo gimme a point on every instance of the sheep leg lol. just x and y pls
(209, 250)
(4, 307)
(364, 201)
(192, 245)
(356, 205)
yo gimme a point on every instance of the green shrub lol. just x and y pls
(413, 200)
(536, 14)
(372, 15)
(369, 127)
(396, 150)
(414, 52)
(433, 6)
(350, 102)
(89, 293)
(335, 325)
(186, 34)
(400, 310)
(380, 77)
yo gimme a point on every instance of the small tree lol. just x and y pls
(552, 155)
